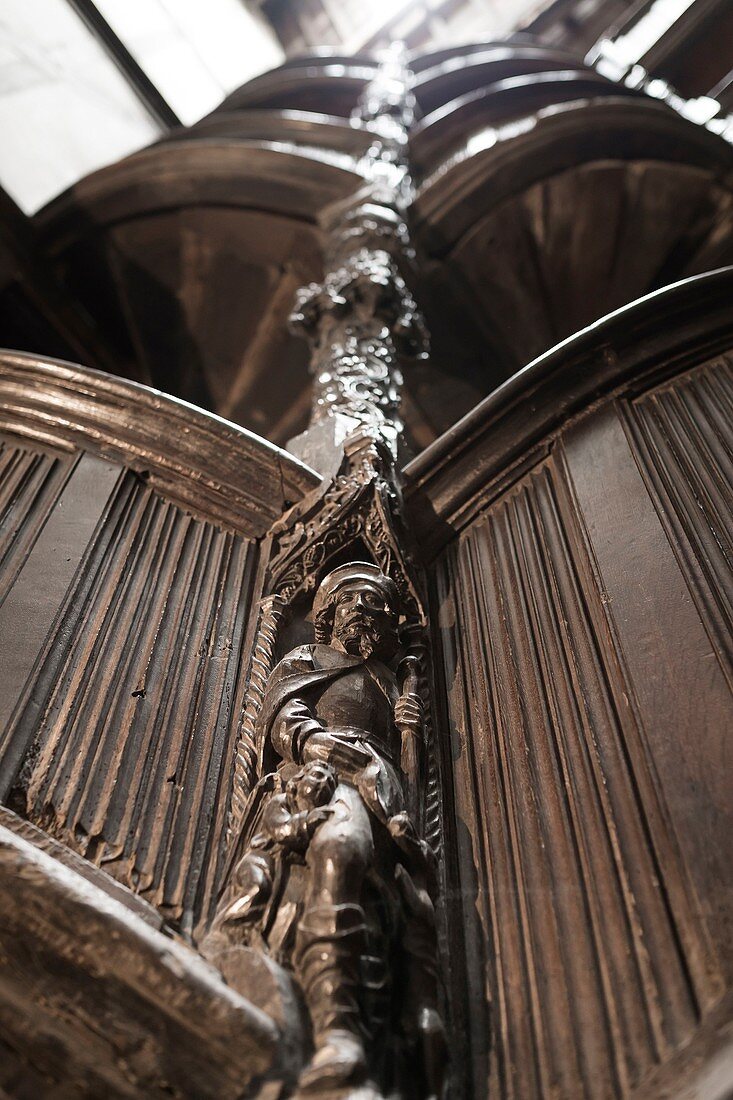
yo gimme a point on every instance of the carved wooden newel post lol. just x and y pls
(327, 914)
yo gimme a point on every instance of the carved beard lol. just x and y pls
(358, 635)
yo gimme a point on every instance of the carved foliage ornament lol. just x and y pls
(367, 289)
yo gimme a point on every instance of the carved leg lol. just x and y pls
(421, 1015)
(331, 941)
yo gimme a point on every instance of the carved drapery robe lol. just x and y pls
(306, 695)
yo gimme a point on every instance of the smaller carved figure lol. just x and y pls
(288, 822)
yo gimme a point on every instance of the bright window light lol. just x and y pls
(630, 48)
(65, 108)
(194, 52)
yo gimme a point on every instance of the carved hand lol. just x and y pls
(408, 713)
(330, 749)
(298, 832)
(317, 817)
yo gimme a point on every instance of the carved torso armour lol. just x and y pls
(361, 699)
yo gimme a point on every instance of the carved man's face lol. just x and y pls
(364, 622)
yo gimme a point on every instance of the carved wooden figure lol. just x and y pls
(512, 745)
(335, 884)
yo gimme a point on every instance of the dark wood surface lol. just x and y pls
(129, 571)
(576, 532)
(120, 1011)
(665, 332)
(199, 461)
(189, 254)
(582, 613)
(36, 591)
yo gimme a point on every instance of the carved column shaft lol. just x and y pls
(362, 321)
(328, 899)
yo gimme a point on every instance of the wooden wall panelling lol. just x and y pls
(681, 436)
(134, 734)
(30, 482)
(215, 867)
(579, 522)
(666, 333)
(49, 520)
(200, 462)
(677, 684)
(468, 909)
(130, 565)
(602, 958)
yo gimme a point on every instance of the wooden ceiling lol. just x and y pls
(183, 259)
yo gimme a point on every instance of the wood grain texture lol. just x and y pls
(199, 461)
(125, 719)
(659, 336)
(681, 434)
(592, 980)
(677, 687)
(574, 238)
(35, 836)
(127, 619)
(501, 161)
(30, 483)
(96, 1002)
(582, 604)
(37, 592)
(132, 712)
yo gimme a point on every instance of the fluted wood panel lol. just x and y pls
(50, 528)
(677, 687)
(30, 482)
(683, 438)
(132, 715)
(586, 716)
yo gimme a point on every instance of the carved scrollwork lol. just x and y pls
(361, 321)
(372, 220)
(361, 502)
(366, 289)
